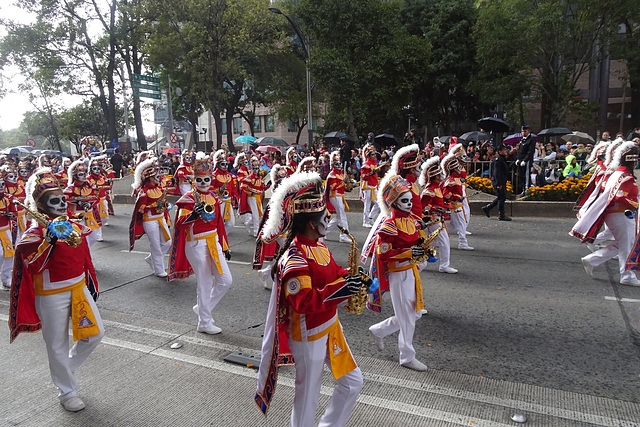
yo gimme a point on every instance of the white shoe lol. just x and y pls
(468, 233)
(195, 309)
(448, 270)
(100, 240)
(367, 225)
(148, 260)
(211, 330)
(106, 223)
(73, 404)
(379, 341)
(632, 281)
(416, 365)
(345, 240)
(423, 311)
(465, 248)
(588, 267)
(163, 274)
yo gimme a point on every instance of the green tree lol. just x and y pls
(87, 119)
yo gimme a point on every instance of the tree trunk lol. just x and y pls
(217, 121)
(229, 119)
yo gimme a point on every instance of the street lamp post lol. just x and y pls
(305, 47)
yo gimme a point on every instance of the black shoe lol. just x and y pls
(487, 210)
(504, 218)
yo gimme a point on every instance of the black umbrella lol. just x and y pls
(268, 140)
(493, 124)
(554, 132)
(335, 137)
(386, 139)
(475, 136)
(445, 139)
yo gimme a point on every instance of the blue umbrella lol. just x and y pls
(245, 139)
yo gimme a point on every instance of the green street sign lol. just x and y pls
(140, 94)
(146, 79)
(151, 87)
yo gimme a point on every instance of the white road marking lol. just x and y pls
(148, 253)
(621, 299)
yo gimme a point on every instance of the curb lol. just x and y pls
(512, 208)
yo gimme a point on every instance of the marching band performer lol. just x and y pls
(44, 161)
(397, 246)
(292, 158)
(337, 204)
(150, 215)
(82, 198)
(616, 207)
(435, 208)
(24, 172)
(302, 324)
(252, 188)
(369, 185)
(454, 192)
(184, 173)
(226, 185)
(596, 159)
(200, 245)
(62, 175)
(265, 252)
(110, 175)
(8, 212)
(54, 280)
(101, 185)
(405, 163)
(308, 164)
(16, 191)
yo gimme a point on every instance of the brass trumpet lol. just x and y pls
(223, 192)
(357, 302)
(73, 240)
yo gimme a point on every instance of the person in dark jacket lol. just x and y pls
(524, 158)
(499, 175)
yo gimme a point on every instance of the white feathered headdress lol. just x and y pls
(622, 149)
(598, 150)
(71, 170)
(240, 157)
(300, 193)
(142, 172)
(608, 157)
(399, 158)
(433, 165)
(218, 156)
(290, 152)
(306, 162)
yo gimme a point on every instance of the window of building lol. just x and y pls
(257, 124)
(237, 125)
(292, 127)
(224, 126)
(269, 124)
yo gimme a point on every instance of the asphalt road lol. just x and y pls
(520, 311)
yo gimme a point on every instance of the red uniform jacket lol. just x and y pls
(86, 192)
(251, 185)
(335, 187)
(369, 175)
(146, 206)
(184, 174)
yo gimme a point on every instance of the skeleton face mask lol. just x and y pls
(56, 204)
(188, 160)
(45, 161)
(203, 183)
(336, 164)
(23, 172)
(81, 175)
(66, 164)
(322, 224)
(223, 166)
(12, 177)
(244, 162)
(95, 169)
(295, 157)
(404, 203)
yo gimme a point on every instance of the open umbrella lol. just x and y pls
(493, 124)
(300, 148)
(245, 139)
(172, 150)
(475, 136)
(268, 140)
(575, 137)
(267, 148)
(516, 137)
(554, 132)
(386, 139)
(335, 137)
(16, 150)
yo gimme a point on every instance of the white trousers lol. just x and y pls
(402, 285)
(254, 221)
(624, 232)
(231, 222)
(443, 243)
(105, 206)
(211, 285)
(156, 241)
(7, 262)
(467, 210)
(54, 312)
(603, 236)
(458, 224)
(310, 357)
(371, 209)
(96, 234)
(340, 217)
(184, 188)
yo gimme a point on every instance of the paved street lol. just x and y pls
(521, 327)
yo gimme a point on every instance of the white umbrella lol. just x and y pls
(16, 150)
(575, 137)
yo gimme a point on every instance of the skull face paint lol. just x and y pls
(95, 170)
(12, 177)
(81, 174)
(203, 183)
(223, 166)
(23, 172)
(404, 203)
(56, 204)
(322, 223)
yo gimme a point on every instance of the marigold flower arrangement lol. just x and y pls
(567, 190)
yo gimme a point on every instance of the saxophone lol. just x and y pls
(73, 240)
(426, 244)
(208, 208)
(357, 302)
(161, 203)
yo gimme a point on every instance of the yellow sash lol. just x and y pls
(339, 354)
(419, 299)
(226, 209)
(344, 201)
(213, 250)
(258, 198)
(103, 208)
(83, 320)
(22, 220)
(7, 247)
(91, 220)
(165, 232)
